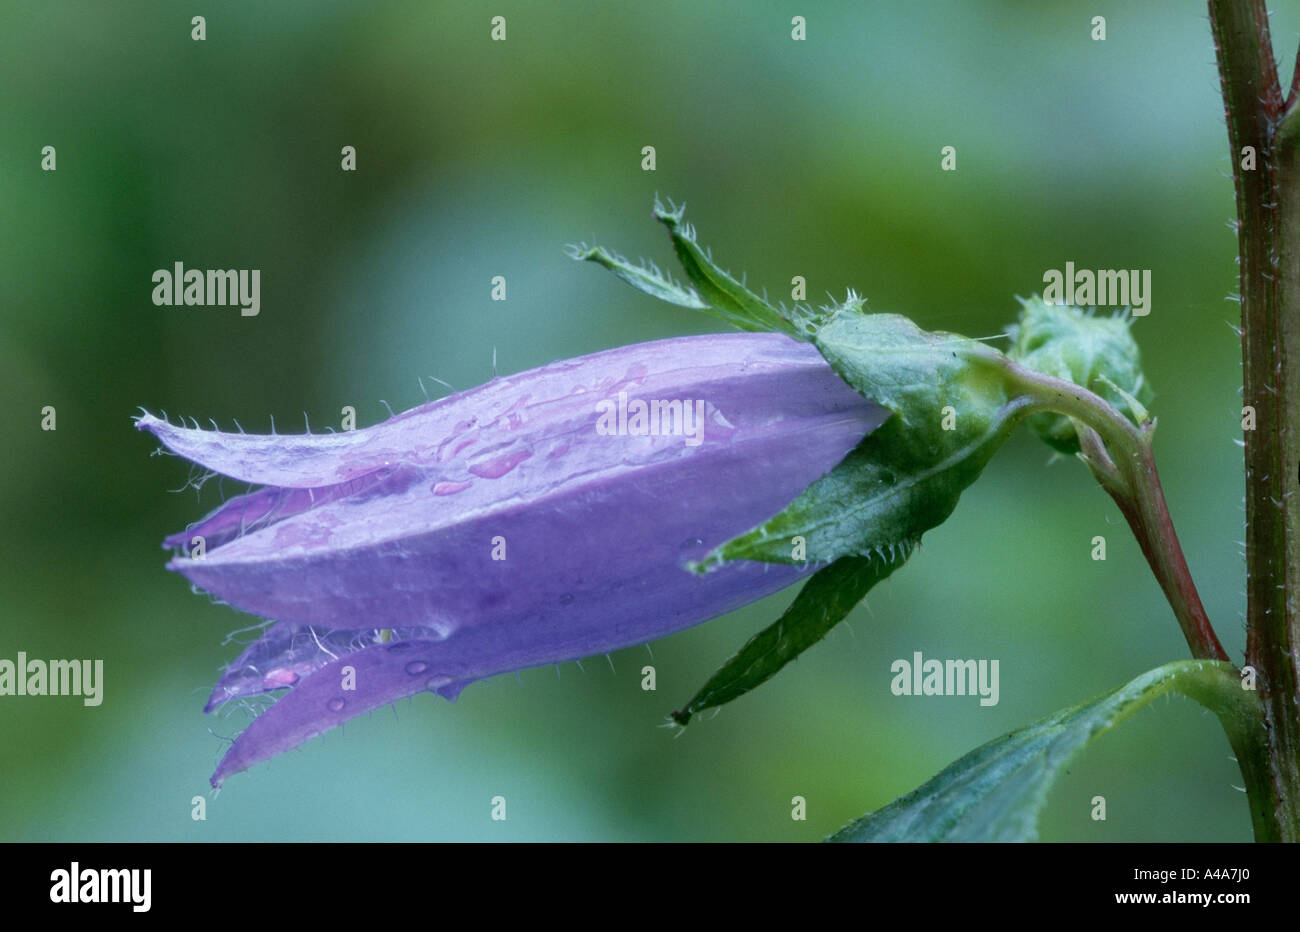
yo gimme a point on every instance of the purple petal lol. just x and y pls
(286, 653)
(382, 673)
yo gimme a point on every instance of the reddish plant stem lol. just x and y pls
(1263, 131)
(1125, 466)
(1148, 515)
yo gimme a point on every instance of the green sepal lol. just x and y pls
(951, 414)
(821, 604)
(715, 290)
(725, 297)
(645, 277)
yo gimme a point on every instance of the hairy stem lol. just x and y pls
(1263, 133)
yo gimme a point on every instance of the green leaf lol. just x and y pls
(996, 792)
(824, 601)
(951, 414)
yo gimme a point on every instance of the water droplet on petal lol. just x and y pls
(494, 467)
(692, 542)
(449, 488)
(566, 599)
(416, 667)
(336, 704)
(437, 682)
(277, 678)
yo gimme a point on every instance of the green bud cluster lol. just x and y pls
(1098, 353)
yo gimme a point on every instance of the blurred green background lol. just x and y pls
(478, 158)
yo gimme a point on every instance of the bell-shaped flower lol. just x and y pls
(540, 518)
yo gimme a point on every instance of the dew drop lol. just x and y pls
(336, 704)
(416, 667)
(278, 678)
(436, 682)
(692, 542)
(566, 599)
(497, 466)
(449, 488)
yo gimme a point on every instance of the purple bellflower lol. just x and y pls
(540, 518)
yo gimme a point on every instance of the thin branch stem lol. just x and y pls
(1121, 458)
